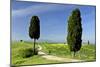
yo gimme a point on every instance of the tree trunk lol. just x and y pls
(34, 46)
(74, 54)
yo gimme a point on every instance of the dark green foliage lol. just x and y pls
(21, 40)
(49, 52)
(25, 53)
(88, 42)
(74, 31)
(34, 29)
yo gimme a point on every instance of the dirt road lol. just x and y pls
(55, 58)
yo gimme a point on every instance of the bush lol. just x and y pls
(21, 40)
(25, 53)
(28, 52)
(49, 51)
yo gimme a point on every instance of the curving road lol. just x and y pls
(55, 58)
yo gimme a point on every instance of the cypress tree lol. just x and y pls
(74, 31)
(88, 42)
(34, 30)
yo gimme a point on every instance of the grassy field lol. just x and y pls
(20, 49)
(87, 52)
(22, 53)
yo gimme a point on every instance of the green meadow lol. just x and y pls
(87, 52)
(21, 53)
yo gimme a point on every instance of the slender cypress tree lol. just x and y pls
(88, 42)
(34, 30)
(74, 31)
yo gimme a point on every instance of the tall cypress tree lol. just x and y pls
(88, 42)
(74, 31)
(34, 30)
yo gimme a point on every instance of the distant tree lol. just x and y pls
(34, 30)
(21, 40)
(88, 42)
(74, 31)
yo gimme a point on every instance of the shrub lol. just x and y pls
(28, 52)
(25, 53)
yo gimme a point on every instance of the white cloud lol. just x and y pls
(37, 9)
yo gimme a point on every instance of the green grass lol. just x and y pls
(22, 49)
(86, 53)
(22, 53)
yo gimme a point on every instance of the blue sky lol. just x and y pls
(53, 20)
